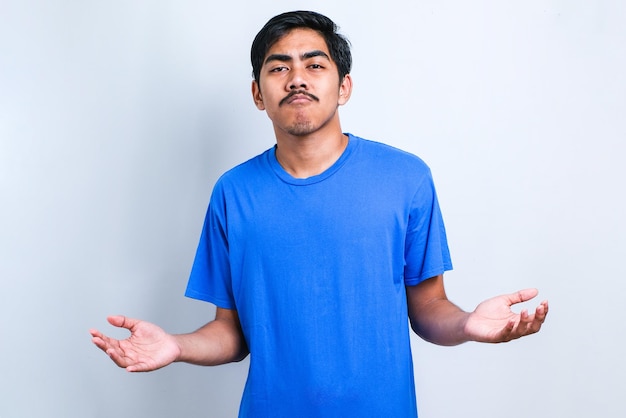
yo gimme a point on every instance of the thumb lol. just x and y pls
(122, 321)
(523, 295)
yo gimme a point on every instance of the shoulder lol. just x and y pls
(242, 178)
(246, 171)
(390, 158)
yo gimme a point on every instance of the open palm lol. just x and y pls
(148, 347)
(494, 321)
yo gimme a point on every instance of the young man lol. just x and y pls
(316, 252)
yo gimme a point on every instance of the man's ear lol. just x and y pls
(345, 90)
(256, 95)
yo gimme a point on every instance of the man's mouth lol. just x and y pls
(298, 95)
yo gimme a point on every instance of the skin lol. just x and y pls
(308, 133)
(436, 319)
(150, 348)
(309, 140)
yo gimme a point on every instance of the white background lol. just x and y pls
(117, 117)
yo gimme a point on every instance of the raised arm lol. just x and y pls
(149, 347)
(436, 319)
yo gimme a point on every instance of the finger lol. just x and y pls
(503, 335)
(98, 338)
(122, 321)
(103, 342)
(139, 367)
(95, 333)
(541, 311)
(530, 324)
(525, 321)
(540, 316)
(523, 295)
(508, 332)
(545, 307)
(100, 343)
(118, 357)
(131, 363)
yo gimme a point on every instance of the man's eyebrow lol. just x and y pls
(315, 53)
(278, 57)
(287, 58)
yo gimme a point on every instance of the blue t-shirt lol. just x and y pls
(317, 269)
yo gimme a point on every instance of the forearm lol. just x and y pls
(218, 342)
(433, 317)
(440, 322)
(436, 319)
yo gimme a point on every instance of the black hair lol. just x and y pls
(279, 26)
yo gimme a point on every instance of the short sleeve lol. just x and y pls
(426, 246)
(210, 278)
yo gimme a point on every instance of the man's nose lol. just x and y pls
(297, 80)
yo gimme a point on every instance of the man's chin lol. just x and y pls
(301, 129)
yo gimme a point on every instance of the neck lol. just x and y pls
(310, 155)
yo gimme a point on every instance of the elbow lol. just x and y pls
(435, 335)
(241, 355)
(420, 331)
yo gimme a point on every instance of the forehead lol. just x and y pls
(297, 41)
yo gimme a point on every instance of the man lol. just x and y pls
(316, 251)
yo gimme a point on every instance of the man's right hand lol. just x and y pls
(148, 347)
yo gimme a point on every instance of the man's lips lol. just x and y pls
(298, 95)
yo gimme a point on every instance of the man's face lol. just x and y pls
(299, 84)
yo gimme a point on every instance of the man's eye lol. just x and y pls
(278, 69)
(315, 66)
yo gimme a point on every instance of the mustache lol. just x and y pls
(294, 92)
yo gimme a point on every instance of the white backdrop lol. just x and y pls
(117, 117)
